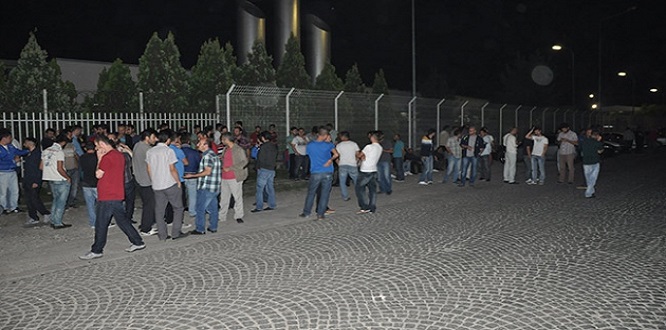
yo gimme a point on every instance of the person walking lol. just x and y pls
(399, 158)
(347, 164)
(139, 166)
(454, 152)
(568, 140)
(266, 161)
(209, 182)
(88, 164)
(511, 155)
(110, 195)
(538, 156)
(592, 149)
(427, 150)
(321, 173)
(9, 189)
(367, 176)
(32, 183)
(384, 164)
(472, 145)
(53, 170)
(234, 172)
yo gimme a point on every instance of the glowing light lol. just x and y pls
(653, 90)
(622, 74)
(594, 106)
(557, 47)
(591, 96)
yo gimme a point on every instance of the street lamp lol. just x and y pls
(633, 89)
(591, 96)
(573, 72)
(653, 90)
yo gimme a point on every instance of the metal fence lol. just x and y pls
(357, 113)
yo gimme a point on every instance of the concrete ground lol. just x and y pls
(494, 256)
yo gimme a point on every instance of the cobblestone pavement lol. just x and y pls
(495, 256)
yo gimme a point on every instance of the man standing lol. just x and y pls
(234, 172)
(321, 173)
(9, 189)
(193, 159)
(88, 164)
(568, 141)
(110, 195)
(592, 148)
(384, 164)
(472, 145)
(53, 170)
(143, 181)
(208, 178)
(538, 155)
(454, 152)
(486, 157)
(427, 150)
(528, 145)
(266, 158)
(299, 144)
(347, 165)
(161, 166)
(367, 176)
(72, 168)
(399, 158)
(291, 161)
(32, 183)
(511, 154)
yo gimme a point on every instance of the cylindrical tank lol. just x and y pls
(287, 22)
(251, 28)
(318, 45)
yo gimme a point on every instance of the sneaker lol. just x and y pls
(330, 211)
(393, 176)
(111, 225)
(153, 231)
(31, 222)
(303, 215)
(91, 255)
(239, 220)
(195, 232)
(423, 183)
(408, 173)
(186, 225)
(319, 218)
(429, 182)
(531, 183)
(435, 170)
(363, 211)
(528, 181)
(61, 226)
(133, 247)
(46, 218)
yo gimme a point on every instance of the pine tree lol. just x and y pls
(162, 78)
(291, 72)
(353, 81)
(258, 71)
(328, 80)
(3, 89)
(211, 76)
(116, 91)
(380, 86)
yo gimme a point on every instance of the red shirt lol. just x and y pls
(111, 187)
(228, 162)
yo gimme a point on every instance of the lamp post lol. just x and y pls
(573, 71)
(633, 90)
(413, 50)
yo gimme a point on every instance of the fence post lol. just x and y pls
(462, 113)
(555, 120)
(409, 122)
(438, 121)
(483, 114)
(217, 108)
(46, 108)
(516, 115)
(229, 105)
(336, 109)
(501, 119)
(142, 118)
(287, 110)
(376, 110)
(531, 111)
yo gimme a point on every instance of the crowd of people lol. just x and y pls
(200, 172)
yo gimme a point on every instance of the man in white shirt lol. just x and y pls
(53, 170)
(367, 176)
(347, 165)
(538, 155)
(510, 156)
(568, 141)
(299, 143)
(485, 156)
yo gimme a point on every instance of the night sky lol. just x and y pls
(466, 44)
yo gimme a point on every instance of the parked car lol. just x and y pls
(616, 140)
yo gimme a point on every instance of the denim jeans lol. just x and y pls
(452, 169)
(191, 186)
(384, 176)
(367, 179)
(75, 175)
(399, 166)
(265, 188)
(468, 162)
(344, 172)
(130, 200)
(591, 175)
(90, 195)
(60, 192)
(426, 175)
(104, 211)
(9, 190)
(206, 203)
(538, 165)
(321, 182)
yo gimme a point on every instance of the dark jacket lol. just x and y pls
(32, 173)
(267, 156)
(480, 144)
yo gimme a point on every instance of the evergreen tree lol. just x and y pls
(291, 72)
(3, 88)
(258, 71)
(380, 86)
(211, 76)
(116, 91)
(34, 74)
(353, 81)
(161, 76)
(328, 80)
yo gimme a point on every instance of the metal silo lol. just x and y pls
(251, 28)
(287, 22)
(318, 45)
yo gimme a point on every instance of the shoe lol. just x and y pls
(46, 218)
(111, 225)
(31, 222)
(239, 220)
(388, 193)
(581, 187)
(133, 247)
(346, 199)
(195, 232)
(423, 183)
(255, 211)
(152, 232)
(409, 173)
(186, 225)
(513, 182)
(435, 170)
(429, 182)
(393, 176)
(329, 211)
(182, 235)
(269, 209)
(593, 196)
(212, 231)
(320, 218)
(481, 179)
(363, 211)
(91, 255)
(531, 183)
(528, 181)
(61, 226)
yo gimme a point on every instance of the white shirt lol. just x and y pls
(488, 139)
(300, 144)
(347, 151)
(510, 144)
(372, 153)
(159, 158)
(540, 143)
(50, 158)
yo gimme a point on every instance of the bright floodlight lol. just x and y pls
(594, 106)
(622, 74)
(591, 96)
(653, 90)
(557, 47)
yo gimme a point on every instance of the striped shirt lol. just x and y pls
(213, 181)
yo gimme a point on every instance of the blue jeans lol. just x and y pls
(452, 169)
(399, 166)
(367, 180)
(75, 175)
(591, 175)
(345, 171)
(206, 202)
(538, 164)
(60, 192)
(90, 195)
(265, 188)
(321, 182)
(466, 163)
(426, 175)
(104, 211)
(191, 188)
(9, 190)
(384, 176)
